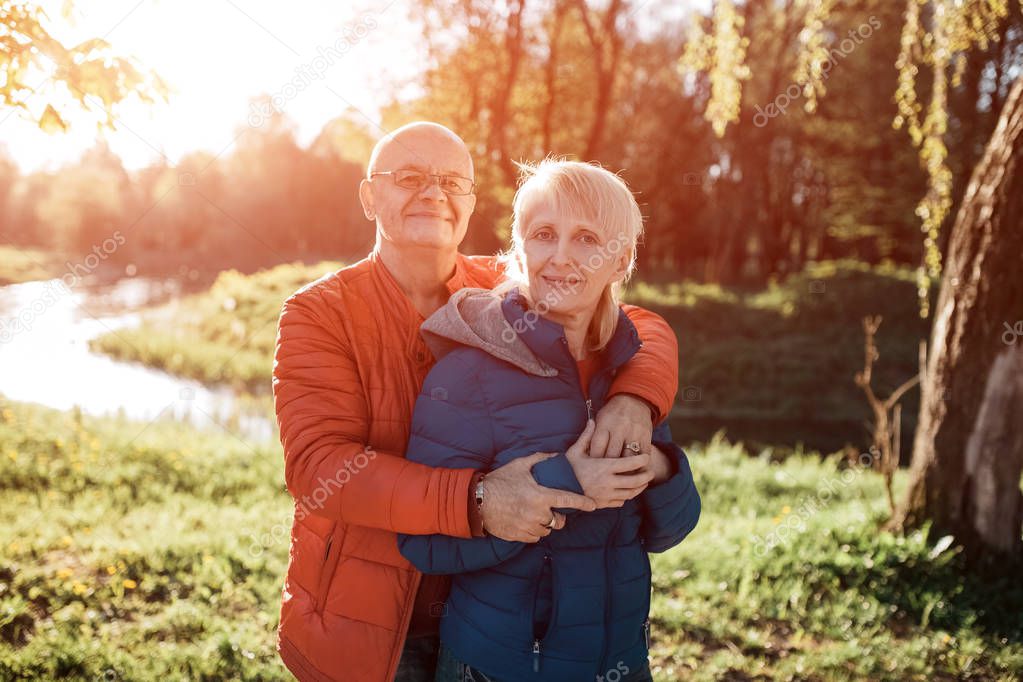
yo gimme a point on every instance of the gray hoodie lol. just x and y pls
(474, 318)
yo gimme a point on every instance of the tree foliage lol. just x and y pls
(45, 79)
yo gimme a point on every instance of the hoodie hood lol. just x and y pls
(475, 318)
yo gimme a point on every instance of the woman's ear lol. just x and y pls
(622, 266)
(366, 198)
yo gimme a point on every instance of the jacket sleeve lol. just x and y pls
(652, 373)
(329, 465)
(557, 473)
(451, 427)
(670, 509)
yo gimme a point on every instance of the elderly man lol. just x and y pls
(348, 366)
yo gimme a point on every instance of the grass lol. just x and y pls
(776, 365)
(224, 335)
(139, 552)
(18, 264)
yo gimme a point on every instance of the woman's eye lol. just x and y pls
(543, 234)
(588, 239)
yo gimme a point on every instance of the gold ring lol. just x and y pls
(550, 524)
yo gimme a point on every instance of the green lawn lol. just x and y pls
(136, 552)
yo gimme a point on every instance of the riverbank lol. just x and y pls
(27, 265)
(770, 366)
(154, 551)
(776, 365)
(224, 335)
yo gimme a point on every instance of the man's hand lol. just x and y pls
(610, 482)
(518, 509)
(624, 419)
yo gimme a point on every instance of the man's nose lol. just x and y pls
(432, 191)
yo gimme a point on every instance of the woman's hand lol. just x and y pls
(610, 482)
(660, 466)
(623, 420)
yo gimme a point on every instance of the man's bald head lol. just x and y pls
(425, 144)
(422, 215)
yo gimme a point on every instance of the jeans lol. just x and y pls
(418, 661)
(450, 669)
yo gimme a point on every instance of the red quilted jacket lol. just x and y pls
(348, 365)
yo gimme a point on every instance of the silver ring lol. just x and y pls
(634, 446)
(550, 524)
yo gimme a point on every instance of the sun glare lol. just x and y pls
(215, 57)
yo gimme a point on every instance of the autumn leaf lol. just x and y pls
(51, 122)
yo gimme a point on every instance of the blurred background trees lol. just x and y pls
(590, 80)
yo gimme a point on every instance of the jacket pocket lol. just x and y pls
(331, 554)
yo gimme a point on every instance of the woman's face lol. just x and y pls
(570, 261)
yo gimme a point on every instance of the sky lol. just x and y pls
(317, 58)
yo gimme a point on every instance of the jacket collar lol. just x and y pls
(547, 339)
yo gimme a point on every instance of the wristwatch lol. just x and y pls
(479, 500)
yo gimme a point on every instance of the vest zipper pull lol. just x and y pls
(646, 632)
(589, 408)
(536, 655)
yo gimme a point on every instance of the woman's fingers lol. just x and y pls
(582, 444)
(598, 444)
(633, 481)
(624, 465)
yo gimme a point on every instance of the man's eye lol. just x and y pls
(411, 179)
(449, 184)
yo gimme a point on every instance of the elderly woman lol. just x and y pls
(522, 369)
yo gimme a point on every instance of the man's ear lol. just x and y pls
(366, 198)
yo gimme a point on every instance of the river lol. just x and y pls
(45, 330)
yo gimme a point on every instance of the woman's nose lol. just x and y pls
(563, 252)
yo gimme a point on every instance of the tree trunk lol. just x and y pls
(968, 452)
(514, 41)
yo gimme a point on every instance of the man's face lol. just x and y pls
(427, 217)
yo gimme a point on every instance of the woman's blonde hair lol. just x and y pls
(585, 190)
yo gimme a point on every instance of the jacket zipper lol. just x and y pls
(646, 633)
(607, 590)
(589, 408)
(536, 595)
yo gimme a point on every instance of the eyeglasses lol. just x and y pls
(416, 180)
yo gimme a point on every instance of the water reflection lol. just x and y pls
(45, 330)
